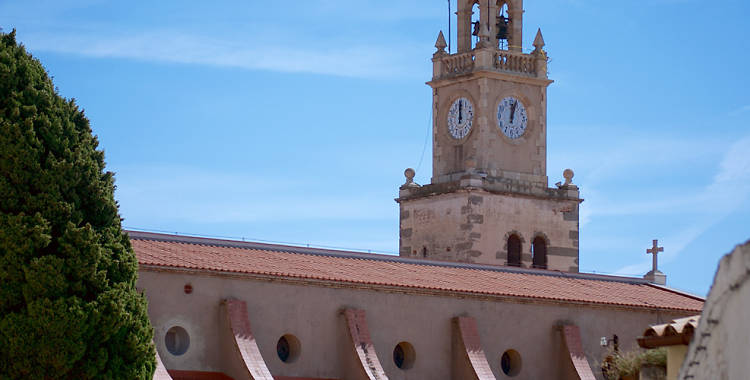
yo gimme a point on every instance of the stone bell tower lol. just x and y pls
(489, 200)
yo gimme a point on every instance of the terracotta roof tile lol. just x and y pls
(294, 262)
(678, 326)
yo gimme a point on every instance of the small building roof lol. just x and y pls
(678, 332)
(161, 251)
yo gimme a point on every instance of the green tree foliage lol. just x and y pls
(68, 304)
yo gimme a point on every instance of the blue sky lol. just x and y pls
(293, 121)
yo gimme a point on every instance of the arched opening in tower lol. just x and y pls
(502, 24)
(539, 253)
(514, 251)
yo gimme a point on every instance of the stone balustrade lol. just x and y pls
(457, 64)
(532, 65)
(515, 62)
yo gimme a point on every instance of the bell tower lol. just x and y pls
(489, 201)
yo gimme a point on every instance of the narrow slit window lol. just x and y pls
(514, 251)
(539, 253)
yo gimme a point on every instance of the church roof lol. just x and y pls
(270, 260)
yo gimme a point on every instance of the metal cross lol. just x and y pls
(655, 250)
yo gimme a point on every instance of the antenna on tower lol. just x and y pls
(449, 26)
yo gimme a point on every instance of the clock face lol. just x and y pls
(511, 117)
(460, 117)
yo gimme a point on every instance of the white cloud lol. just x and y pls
(734, 170)
(729, 189)
(740, 110)
(630, 155)
(349, 61)
(378, 10)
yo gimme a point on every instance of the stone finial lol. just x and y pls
(440, 43)
(538, 40)
(409, 173)
(568, 175)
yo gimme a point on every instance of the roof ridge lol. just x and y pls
(677, 291)
(201, 241)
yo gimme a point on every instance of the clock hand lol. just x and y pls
(460, 112)
(513, 111)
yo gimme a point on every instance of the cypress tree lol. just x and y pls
(68, 304)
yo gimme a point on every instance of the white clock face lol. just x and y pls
(460, 117)
(511, 117)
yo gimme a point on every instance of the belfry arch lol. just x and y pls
(464, 26)
(514, 248)
(476, 24)
(539, 248)
(501, 33)
(493, 14)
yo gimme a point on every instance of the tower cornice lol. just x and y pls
(473, 75)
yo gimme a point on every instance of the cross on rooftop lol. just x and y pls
(655, 251)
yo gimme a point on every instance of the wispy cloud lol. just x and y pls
(629, 156)
(740, 110)
(377, 10)
(729, 189)
(619, 156)
(319, 36)
(349, 61)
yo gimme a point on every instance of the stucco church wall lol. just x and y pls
(310, 311)
(719, 349)
(485, 221)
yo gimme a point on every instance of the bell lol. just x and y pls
(475, 31)
(502, 28)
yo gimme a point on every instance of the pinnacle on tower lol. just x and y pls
(539, 40)
(440, 43)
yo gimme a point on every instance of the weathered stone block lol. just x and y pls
(571, 216)
(405, 214)
(464, 246)
(560, 251)
(475, 200)
(476, 219)
(474, 253)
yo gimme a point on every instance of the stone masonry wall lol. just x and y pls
(472, 225)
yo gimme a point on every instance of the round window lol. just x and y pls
(404, 355)
(177, 340)
(288, 348)
(510, 363)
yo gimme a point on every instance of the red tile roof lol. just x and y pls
(170, 251)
